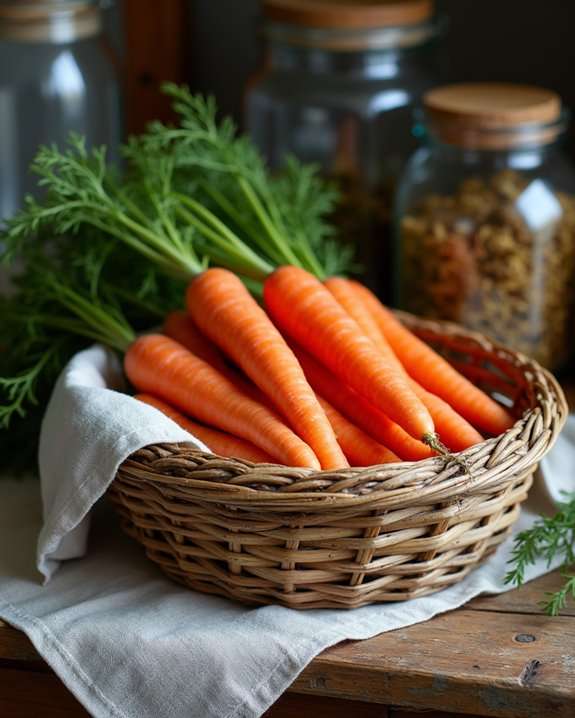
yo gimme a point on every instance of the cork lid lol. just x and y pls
(349, 14)
(493, 114)
(48, 20)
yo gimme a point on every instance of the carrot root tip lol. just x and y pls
(435, 443)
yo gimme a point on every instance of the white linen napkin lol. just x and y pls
(88, 430)
(124, 639)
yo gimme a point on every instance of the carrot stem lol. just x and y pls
(284, 252)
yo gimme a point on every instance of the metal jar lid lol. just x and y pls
(51, 21)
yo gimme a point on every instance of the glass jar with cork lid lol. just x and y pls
(485, 218)
(337, 87)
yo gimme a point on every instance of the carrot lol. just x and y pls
(434, 373)
(181, 328)
(158, 365)
(224, 310)
(374, 422)
(456, 433)
(306, 311)
(359, 448)
(343, 290)
(219, 442)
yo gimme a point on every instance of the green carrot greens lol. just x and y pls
(103, 254)
(551, 538)
(190, 194)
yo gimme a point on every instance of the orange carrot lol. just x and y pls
(343, 290)
(374, 422)
(219, 442)
(434, 373)
(306, 311)
(181, 328)
(456, 433)
(359, 448)
(224, 310)
(156, 364)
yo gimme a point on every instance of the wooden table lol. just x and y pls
(497, 656)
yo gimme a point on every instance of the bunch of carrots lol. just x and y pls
(322, 376)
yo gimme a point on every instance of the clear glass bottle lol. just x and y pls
(338, 88)
(485, 218)
(56, 75)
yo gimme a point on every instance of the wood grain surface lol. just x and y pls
(492, 664)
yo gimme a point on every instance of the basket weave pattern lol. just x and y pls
(307, 539)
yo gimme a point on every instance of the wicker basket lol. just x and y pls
(306, 539)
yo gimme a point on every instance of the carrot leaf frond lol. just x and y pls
(551, 538)
(283, 216)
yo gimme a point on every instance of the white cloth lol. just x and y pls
(89, 429)
(125, 640)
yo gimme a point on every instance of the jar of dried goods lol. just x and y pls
(486, 218)
(337, 87)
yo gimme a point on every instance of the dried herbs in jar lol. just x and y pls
(487, 223)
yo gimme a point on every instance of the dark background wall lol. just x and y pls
(511, 40)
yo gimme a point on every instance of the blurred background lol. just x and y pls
(215, 45)
(511, 41)
(218, 46)
(341, 83)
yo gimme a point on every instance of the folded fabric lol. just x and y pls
(88, 430)
(124, 639)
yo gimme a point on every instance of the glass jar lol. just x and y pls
(56, 76)
(338, 88)
(486, 218)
